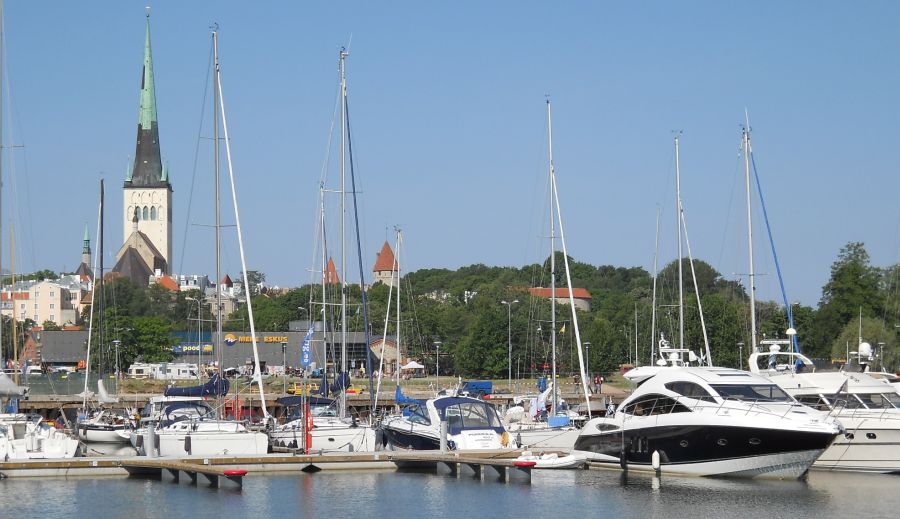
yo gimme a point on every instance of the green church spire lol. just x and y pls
(147, 170)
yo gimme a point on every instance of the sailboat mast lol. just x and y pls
(680, 253)
(12, 289)
(218, 225)
(552, 260)
(344, 129)
(257, 372)
(101, 327)
(746, 143)
(653, 300)
(397, 268)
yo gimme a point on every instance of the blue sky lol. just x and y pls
(447, 106)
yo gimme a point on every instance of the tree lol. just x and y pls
(852, 287)
(51, 326)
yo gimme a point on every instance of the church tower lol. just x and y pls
(147, 191)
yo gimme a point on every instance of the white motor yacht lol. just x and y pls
(25, 437)
(709, 422)
(472, 424)
(867, 407)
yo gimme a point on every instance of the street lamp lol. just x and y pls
(437, 364)
(881, 354)
(284, 363)
(509, 339)
(740, 346)
(199, 325)
(587, 359)
(117, 342)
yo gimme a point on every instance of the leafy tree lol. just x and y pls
(51, 326)
(853, 286)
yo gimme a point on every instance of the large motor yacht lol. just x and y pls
(867, 407)
(709, 422)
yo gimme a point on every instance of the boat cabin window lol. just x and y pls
(418, 414)
(878, 400)
(472, 415)
(690, 390)
(815, 401)
(654, 404)
(752, 392)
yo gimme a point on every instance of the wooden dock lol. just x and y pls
(501, 463)
(156, 467)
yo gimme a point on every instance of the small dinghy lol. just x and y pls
(553, 460)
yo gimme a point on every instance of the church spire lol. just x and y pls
(147, 170)
(86, 249)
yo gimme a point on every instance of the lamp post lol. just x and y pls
(284, 364)
(587, 359)
(437, 363)
(740, 346)
(117, 342)
(509, 340)
(881, 354)
(199, 325)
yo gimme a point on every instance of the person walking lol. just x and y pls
(596, 383)
(600, 385)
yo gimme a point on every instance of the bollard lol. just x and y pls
(150, 441)
(444, 427)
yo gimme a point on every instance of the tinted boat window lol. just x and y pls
(814, 401)
(690, 390)
(472, 415)
(653, 405)
(752, 392)
(876, 400)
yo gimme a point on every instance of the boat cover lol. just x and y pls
(214, 386)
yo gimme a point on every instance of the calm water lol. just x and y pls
(399, 495)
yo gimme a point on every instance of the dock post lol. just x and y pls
(150, 441)
(443, 437)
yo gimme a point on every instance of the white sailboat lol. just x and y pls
(210, 437)
(332, 431)
(557, 432)
(668, 355)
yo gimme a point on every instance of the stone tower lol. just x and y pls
(147, 191)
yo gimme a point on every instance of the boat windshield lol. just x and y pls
(752, 392)
(879, 400)
(472, 415)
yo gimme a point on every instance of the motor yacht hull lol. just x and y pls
(708, 450)
(867, 445)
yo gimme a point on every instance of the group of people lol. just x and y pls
(595, 384)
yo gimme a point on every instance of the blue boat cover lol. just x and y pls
(214, 386)
(403, 399)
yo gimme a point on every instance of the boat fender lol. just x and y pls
(187, 444)
(654, 460)
(504, 439)
(139, 441)
(622, 461)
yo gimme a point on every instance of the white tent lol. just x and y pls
(412, 365)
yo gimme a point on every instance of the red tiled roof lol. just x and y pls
(331, 275)
(385, 262)
(577, 293)
(168, 283)
(226, 281)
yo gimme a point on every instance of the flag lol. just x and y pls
(306, 349)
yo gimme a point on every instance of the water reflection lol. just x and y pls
(570, 494)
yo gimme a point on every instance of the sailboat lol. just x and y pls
(209, 436)
(664, 354)
(22, 436)
(102, 424)
(557, 432)
(328, 426)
